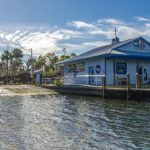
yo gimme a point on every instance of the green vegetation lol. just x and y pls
(47, 63)
(12, 64)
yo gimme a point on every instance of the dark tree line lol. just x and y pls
(47, 63)
(12, 63)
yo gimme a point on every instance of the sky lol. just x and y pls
(77, 25)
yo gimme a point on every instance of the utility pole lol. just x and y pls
(7, 58)
(64, 51)
(31, 64)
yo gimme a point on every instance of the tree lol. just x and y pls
(6, 57)
(17, 53)
(29, 64)
(41, 62)
(17, 63)
(63, 57)
(51, 59)
(2, 68)
(73, 54)
(60, 68)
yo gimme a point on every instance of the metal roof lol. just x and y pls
(108, 50)
(130, 53)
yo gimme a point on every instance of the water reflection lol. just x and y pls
(73, 122)
(131, 122)
(11, 123)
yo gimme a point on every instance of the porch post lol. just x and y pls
(137, 75)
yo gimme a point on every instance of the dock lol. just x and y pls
(107, 93)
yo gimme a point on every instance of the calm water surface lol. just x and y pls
(74, 123)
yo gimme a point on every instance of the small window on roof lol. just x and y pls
(121, 68)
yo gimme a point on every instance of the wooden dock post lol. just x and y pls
(103, 86)
(137, 80)
(116, 80)
(128, 86)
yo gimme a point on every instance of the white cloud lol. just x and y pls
(47, 42)
(111, 21)
(109, 33)
(96, 43)
(147, 25)
(41, 41)
(71, 47)
(76, 36)
(127, 32)
(142, 19)
(92, 29)
(81, 24)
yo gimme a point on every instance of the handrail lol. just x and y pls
(84, 79)
(85, 76)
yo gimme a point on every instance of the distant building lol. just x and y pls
(38, 76)
(119, 58)
(20, 78)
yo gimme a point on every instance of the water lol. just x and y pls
(73, 123)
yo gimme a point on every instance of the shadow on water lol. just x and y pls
(73, 122)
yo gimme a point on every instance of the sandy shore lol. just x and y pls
(9, 90)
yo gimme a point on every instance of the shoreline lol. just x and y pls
(24, 90)
(43, 90)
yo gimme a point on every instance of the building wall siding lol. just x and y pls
(109, 72)
(83, 78)
(131, 69)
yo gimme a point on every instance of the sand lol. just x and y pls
(9, 90)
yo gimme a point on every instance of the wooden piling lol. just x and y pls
(128, 86)
(116, 80)
(103, 86)
(137, 80)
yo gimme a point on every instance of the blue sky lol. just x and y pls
(78, 25)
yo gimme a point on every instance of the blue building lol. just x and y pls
(116, 59)
(38, 76)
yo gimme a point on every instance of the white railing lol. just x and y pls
(84, 80)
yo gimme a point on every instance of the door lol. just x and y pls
(143, 73)
(91, 75)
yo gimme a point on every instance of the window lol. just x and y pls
(72, 68)
(80, 67)
(121, 68)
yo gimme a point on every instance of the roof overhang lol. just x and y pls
(129, 56)
(83, 59)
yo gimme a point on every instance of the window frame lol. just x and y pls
(121, 63)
